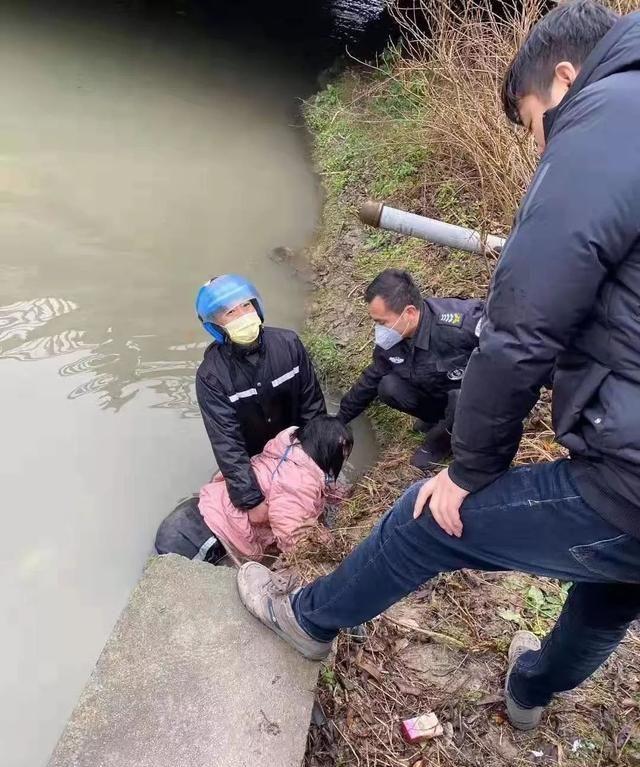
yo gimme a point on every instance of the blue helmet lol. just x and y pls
(221, 294)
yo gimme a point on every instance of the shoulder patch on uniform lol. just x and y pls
(450, 318)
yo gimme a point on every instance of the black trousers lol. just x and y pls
(402, 395)
(185, 532)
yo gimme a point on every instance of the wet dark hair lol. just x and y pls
(567, 33)
(327, 441)
(396, 288)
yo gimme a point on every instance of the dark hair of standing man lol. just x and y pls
(567, 33)
(396, 288)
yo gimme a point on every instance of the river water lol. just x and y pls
(137, 158)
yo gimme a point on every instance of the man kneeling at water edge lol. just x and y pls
(254, 382)
(564, 302)
(293, 472)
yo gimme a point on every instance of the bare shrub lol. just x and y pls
(461, 61)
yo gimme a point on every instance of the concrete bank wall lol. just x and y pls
(189, 679)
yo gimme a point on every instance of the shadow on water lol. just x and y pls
(113, 369)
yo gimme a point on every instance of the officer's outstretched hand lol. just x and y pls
(444, 498)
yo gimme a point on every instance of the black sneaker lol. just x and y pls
(435, 449)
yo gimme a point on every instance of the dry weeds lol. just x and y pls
(461, 63)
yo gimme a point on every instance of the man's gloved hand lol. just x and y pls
(259, 515)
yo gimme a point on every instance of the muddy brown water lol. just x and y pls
(134, 164)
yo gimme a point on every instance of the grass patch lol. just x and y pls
(326, 354)
(366, 143)
(372, 259)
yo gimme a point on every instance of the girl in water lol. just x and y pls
(294, 472)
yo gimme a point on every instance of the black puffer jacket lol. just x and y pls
(247, 399)
(566, 293)
(433, 360)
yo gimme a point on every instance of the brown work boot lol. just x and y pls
(521, 718)
(265, 599)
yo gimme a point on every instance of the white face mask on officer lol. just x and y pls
(386, 337)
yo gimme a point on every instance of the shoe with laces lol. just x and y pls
(267, 598)
(521, 718)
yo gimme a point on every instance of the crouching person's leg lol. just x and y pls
(400, 394)
(186, 533)
(434, 417)
(436, 447)
(593, 622)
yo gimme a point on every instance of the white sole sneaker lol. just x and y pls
(521, 718)
(259, 594)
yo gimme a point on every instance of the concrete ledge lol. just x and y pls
(189, 679)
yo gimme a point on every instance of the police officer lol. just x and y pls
(254, 382)
(422, 347)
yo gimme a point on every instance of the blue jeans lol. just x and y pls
(531, 519)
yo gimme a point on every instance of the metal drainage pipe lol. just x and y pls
(381, 216)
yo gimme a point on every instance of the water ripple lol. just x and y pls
(65, 342)
(88, 364)
(20, 319)
(119, 365)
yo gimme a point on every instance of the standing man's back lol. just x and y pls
(574, 254)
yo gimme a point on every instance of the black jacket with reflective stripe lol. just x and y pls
(246, 400)
(433, 360)
(566, 297)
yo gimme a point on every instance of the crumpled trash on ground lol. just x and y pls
(419, 728)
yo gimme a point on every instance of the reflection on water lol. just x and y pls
(19, 320)
(120, 367)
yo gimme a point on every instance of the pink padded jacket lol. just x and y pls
(294, 488)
